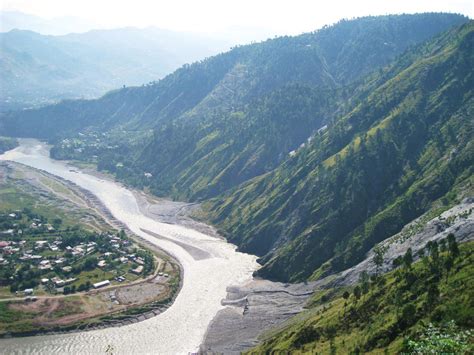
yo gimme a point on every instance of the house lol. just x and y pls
(59, 282)
(28, 291)
(101, 263)
(36, 258)
(59, 261)
(44, 265)
(67, 269)
(70, 280)
(101, 284)
(138, 270)
(44, 281)
(40, 244)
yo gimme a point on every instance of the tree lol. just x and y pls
(453, 245)
(408, 258)
(90, 263)
(397, 261)
(357, 292)
(434, 251)
(432, 296)
(408, 316)
(378, 259)
(364, 281)
(448, 265)
(442, 245)
(57, 222)
(434, 265)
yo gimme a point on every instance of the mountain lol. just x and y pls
(37, 69)
(406, 145)
(313, 148)
(11, 20)
(216, 123)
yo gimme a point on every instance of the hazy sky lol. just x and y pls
(270, 16)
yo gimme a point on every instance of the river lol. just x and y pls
(182, 327)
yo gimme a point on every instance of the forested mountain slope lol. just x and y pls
(407, 144)
(420, 308)
(229, 118)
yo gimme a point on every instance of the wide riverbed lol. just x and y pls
(182, 327)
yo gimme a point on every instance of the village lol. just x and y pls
(42, 258)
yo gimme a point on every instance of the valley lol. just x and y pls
(304, 194)
(204, 281)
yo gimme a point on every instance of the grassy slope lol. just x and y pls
(338, 197)
(375, 322)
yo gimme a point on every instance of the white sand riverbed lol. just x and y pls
(182, 327)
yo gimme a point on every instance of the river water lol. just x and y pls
(182, 327)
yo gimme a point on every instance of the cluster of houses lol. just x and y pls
(51, 255)
(58, 282)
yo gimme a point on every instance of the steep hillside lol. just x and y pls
(37, 69)
(406, 145)
(222, 121)
(423, 307)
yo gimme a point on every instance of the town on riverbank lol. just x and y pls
(64, 268)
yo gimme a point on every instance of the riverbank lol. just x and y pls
(181, 328)
(131, 302)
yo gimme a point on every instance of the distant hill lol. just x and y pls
(37, 69)
(11, 20)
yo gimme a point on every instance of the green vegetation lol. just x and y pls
(309, 218)
(64, 259)
(214, 124)
(446, 339)
(7, 144)
(420, 307)
(314, 148)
